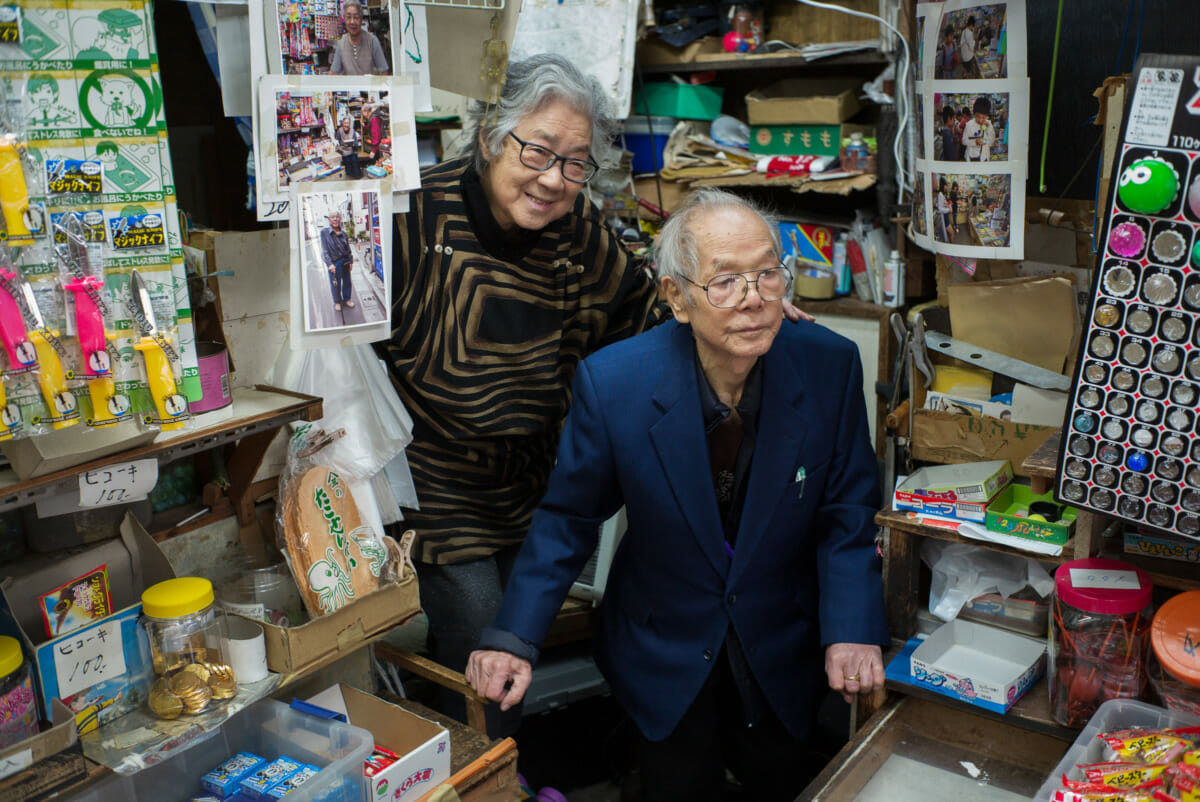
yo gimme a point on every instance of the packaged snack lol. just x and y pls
(223, 780)
(1124, 775)
(282, 789)
(256, 784)
(76, 603)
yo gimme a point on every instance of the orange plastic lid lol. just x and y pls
(1175, 636)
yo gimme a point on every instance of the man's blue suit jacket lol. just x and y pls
(804, 574)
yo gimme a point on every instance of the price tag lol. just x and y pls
(88, 657)
(117, 483)
(14, 763)
(1112, 580)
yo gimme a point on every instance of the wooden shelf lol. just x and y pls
(745, 61)
(1164, 573)
(898, 519)
(1031, 712)
(256, 411)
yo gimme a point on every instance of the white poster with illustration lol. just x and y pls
(973, 132)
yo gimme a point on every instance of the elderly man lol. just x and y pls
(740, 452)
(335, 250)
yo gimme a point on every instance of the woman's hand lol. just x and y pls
(795, 313)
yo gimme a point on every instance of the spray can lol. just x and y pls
(893, 281)
(841, 268)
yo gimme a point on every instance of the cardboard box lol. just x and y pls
(143, 564)
(292, 650)
(36, 781)
(683, 101)
(953, 491)
(21, 763)
(803, 101)
(653, 50)
(803, 140)
(66, 448)
(949, 438)
(978, 664)
(1158, 545)
(1021, 612)
(423, 746)
(1008, 512)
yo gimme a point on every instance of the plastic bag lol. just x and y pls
(962, 571)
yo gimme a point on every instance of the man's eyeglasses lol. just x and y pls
(729, 289)
(536, 157)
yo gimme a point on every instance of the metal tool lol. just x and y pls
(1012, 367)
(171, 406)
(61, 403)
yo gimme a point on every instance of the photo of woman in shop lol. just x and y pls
(328, 135)
(945, 228)
(981, 218)
(358, 51)
(342, 286)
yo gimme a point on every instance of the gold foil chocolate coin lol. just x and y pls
(198, 669)
(184, 682)
(163, 703)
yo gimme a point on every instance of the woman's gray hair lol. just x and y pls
(346, 3)
(531, 83)
(677, 254)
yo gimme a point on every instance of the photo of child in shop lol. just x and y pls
(970, 127)
(335, 37)
(332, 136)
(344, 283)
(972, 209)
(973, 43)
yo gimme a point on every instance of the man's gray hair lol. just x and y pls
(677, 254)
(531, 84)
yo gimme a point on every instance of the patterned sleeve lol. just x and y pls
(639, 308)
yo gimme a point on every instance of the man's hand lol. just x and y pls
(331, 268)
(499, 676)
(853, 668)
(794, 313)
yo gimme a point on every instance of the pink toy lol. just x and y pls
(1126, 239)
(90, 324)
(21, 353)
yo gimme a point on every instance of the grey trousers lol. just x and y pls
(460, 601)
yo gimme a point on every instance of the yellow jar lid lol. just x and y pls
(11, 655)
(175, 598)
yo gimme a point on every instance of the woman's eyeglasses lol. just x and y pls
(536, 157)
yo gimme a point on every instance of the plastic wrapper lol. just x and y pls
(336, 556)
(962, 572)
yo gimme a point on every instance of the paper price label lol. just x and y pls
(89, 657)
(117, 483)
(1112, 580)
(14, 763)
(1153, 108)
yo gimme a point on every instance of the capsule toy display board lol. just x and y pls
(1132, 443)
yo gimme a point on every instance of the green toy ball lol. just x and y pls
(1148, 186)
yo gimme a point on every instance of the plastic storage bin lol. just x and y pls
(1115, 714)
(1099, 636)
(1174, 668)
(647, 147)
(268, 729)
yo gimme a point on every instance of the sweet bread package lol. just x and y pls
(334, 556)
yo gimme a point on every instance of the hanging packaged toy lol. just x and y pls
(93, 316)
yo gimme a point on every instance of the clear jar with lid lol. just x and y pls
(1174, 665)
(185, 647)
(264, 592)
(18, 704)
(1099, 637)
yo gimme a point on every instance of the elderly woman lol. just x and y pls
(357, 52)
(505, 277)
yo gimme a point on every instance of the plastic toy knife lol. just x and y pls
(172, 407)
(60, 402)
(21, 353)
(89, 324)
(14, 195)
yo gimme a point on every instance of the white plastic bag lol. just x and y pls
(962, 571)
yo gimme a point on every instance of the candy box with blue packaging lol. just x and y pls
(281, 789)
(223, 780)
(953, 491)
(423, 746)
(256, 784)
(978, 664)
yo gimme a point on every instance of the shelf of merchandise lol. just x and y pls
(257, 413)
(748, 61)
(899, 520)
(301, 128)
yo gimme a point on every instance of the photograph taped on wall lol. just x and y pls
(973, 128)
(332, 37)
(332, 129)
(341, 263)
